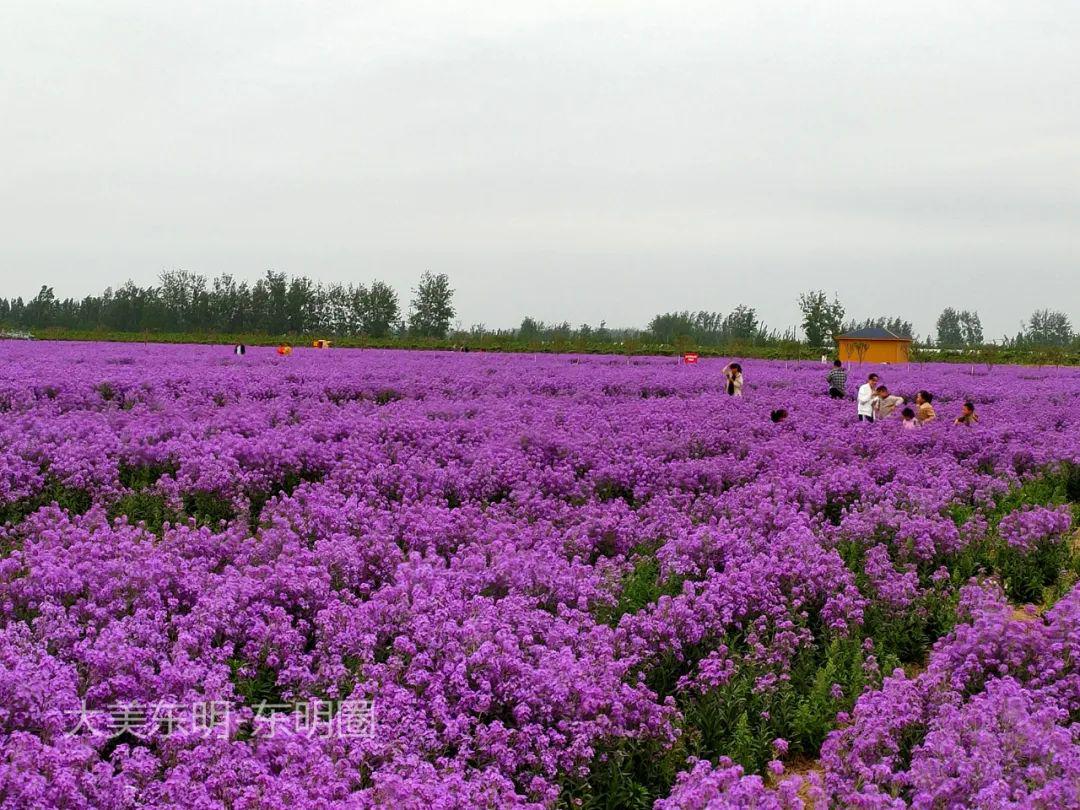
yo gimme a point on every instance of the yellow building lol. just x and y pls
(873, 345)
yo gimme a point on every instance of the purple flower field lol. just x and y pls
(352, 579)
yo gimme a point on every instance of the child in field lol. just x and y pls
(967, 415)
(925, 412)
(907, 417)
(733, 379)
(866, 399)
(837, 380)
(884, 404)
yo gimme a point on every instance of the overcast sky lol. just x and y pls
(584, 161)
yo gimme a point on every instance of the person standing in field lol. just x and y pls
(865, 399)
(733, 379)
(884, 404)
(925, 412)
(837, 380)
(967, 415)
(908, 419)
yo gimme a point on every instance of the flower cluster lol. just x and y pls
(1027, 528)
(991, 722)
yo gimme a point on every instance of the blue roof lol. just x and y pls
(872, 333)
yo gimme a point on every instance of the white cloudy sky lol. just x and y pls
(568, 160)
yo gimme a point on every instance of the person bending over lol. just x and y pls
(884, 403)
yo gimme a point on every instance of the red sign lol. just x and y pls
(690, 357)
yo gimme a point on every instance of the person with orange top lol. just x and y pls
(925, 410)
(967, 415)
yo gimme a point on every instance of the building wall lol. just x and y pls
(877, 351)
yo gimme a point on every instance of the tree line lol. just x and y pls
(277, 304)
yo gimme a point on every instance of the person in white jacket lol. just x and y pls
(866, 398)
(733, 379)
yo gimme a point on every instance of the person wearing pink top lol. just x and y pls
(908, 420)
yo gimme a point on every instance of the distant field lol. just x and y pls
(643, 347)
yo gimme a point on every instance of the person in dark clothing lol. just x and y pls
(837, 380)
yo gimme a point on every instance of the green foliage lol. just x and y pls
(183, 301)
(1027, 575)
(821, 318)
(283, 486)
(735, 719)
(74, 500)
(641, 588)
(957, 330)
(256, 688)
(631, 774)
(143, 476)
(1036, 575)
(1048, 328)
(609, 490)
(208, 508)
(144, 507)
(908, 635)
(432, 307)
(687, 330)
(740, 720)
(896, 325)
(387, 395)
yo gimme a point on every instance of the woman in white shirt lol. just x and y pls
(733, 379)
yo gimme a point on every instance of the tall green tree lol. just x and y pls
(42, 308)
(741, 324)
(956, 329)
(1048, 327)
(670, 326)
(432, 306)
(381, 312)
(529, 329)
(950, 331)
(822, 318)
(971, 326)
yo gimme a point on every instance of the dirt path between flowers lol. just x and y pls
(805, 767)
